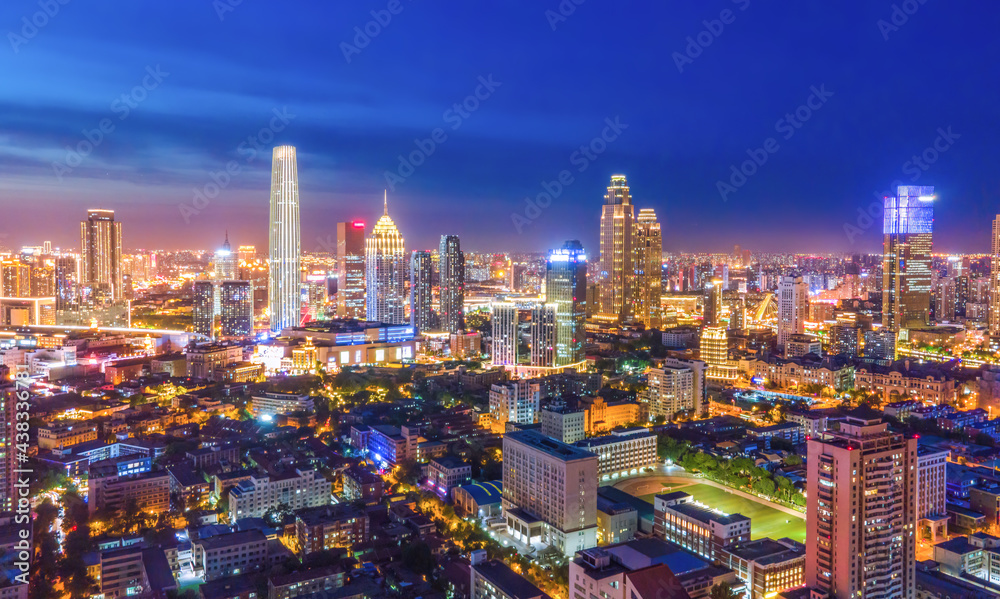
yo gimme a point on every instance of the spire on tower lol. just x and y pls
(385, 204)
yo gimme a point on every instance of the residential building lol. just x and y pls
(101, 257)
(330, 527)
(231, 554)
(514, 401)
(495, 580)
(364, 485)
(543, 335)
(309, 582)
(800, 345)
(421, 290)
(204, 361)
(445, 473)
(648, 264)
(504, 344)
(296, 488)
(106, 489)
(273, 403)
(451, 265)
(932, 502)
(861, 510)
(563, 423)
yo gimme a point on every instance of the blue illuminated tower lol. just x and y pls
(908, 227)
(566, 287)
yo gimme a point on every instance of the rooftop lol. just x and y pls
(548, 445)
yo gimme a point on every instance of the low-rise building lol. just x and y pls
(617, 522)
(495, 580)
(272, 404)
(446, 473)
(305, 582)
(389, 445)
(109, 490)
(767, 566)
(66, 433)
(903, 379)
(479, 500)
(295, 488)
(363, 485)
(835, 372)
(563, 423)
(331, 526)
(231, 554)
(678, 519)
(624, 451)
(204, 361)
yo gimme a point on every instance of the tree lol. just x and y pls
(793, 460)
(723, 590)
(419, 558)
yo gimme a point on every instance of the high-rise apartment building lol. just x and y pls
(994, 314)
(793, 307)
(543, 334)
(101, 265)
(15, 278)
(648, 264)
(421, 271)
(566, 288)
(908, 228)
(861, 510)
(515, 401)
(351, 270)
(67, 280)
(932, 500)
(203, 307)
(285, 284)
(385, 272)
(235, 308)
(671, 389)
(505, 320)
(451, 265)
(617, 271)
(712, 313)
(549, 492)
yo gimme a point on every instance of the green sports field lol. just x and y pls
(765, 521)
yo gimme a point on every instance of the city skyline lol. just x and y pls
(858, 142)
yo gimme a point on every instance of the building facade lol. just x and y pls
(385, 272)
(421, 290)
(908, 227)
(451, 265)
(285, 282)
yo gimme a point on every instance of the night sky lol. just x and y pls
(895, 80)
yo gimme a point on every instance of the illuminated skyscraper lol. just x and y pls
(566, 288)
(714, 352)
(285, 284)
(451, 265)
(648, 263)
(15, 278)
(385, 272)
(713, 303)
(504, 350)
(351, 270)
(203, 307)
(543, 335)
(101, 267)
(226, 262)
(66, 282)
(861, 510)
(906, 260)
(617, 273)
(236, 308)
(421, 272)
(793, 307)
(994, 317)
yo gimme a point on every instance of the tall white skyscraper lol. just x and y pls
(385, 272)
(284, 289)
(793, 308)
(504, 351)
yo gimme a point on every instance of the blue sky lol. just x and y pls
(896, 80)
